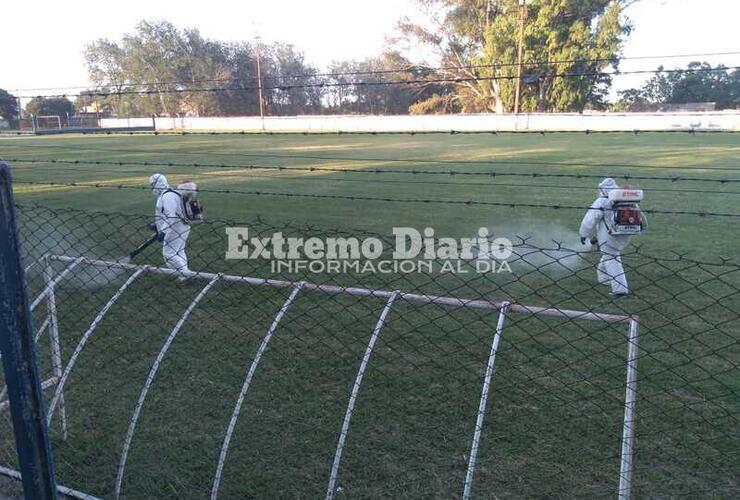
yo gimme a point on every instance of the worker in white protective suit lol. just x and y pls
(172, 225)
(594, 228)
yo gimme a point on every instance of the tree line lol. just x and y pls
(569, 49)
(700, 83)
(475, 41)
(164, 71)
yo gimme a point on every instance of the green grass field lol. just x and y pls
(553, 424)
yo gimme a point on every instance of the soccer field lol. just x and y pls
(553, 423)
(710, 156)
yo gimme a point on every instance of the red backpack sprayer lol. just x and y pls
(625, 216)
(622, 215)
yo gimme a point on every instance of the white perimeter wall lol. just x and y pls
(464, 123)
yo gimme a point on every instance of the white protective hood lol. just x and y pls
(607, 185)
(159, 184)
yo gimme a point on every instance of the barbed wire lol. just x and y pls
(416, 81)
(406, 69)
(514, 205)
(489, 183)
(494, 161)
(452, 173)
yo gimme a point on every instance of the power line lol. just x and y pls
(452, 173)
(513, 205)
(407, 69)
(417, 81)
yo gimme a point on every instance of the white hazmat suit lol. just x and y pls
(609, 270)
(171, 221)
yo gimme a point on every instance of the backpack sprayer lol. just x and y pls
(192, 213)
(625, 216)
(191, 207)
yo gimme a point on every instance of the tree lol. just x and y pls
(362, 86)
(699, 82)
(152, 61)
(8, 105)
(434, 105)
(40, 106)
(476, 42)
(706, 84)
(163, 70)
(289, 81)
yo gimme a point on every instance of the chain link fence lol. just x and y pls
(244, 382)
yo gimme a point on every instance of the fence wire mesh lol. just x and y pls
(554, 418)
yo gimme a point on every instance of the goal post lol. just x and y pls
(47, 122)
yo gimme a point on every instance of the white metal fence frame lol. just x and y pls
(49, 323)
(60, 376)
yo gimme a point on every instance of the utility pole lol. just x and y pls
(522, 15)
(259, 79)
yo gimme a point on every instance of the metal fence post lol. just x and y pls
(627, 467)
(19, 358)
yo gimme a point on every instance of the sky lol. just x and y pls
(43, 41)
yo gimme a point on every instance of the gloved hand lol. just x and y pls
(160, 237)
(583, 240)
(152, 226)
